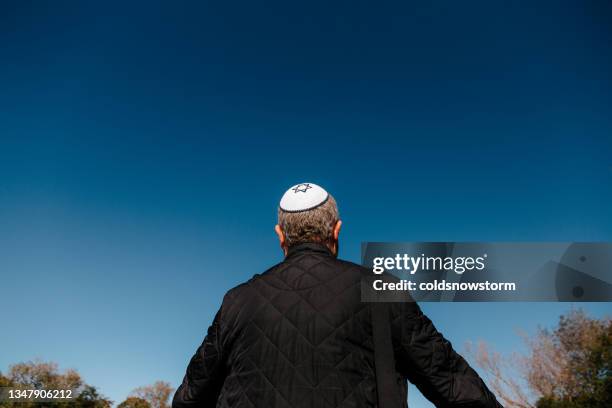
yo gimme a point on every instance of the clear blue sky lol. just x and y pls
(144, 147)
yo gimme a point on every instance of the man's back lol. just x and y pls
(299, 336)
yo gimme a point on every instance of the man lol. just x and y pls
(298, 335)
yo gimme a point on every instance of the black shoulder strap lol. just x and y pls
(386, 379)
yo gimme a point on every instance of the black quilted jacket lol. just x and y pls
(299, 336)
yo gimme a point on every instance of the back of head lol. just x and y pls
(307, 213)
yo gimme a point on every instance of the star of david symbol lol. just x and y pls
(301, 188)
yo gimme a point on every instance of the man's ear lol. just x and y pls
(337, 229)
(281, 235)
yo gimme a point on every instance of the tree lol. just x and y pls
(4, 382)
(134, 402)
(46, 375)
(39, 374)
(568, 367)
(588, 344)
(90, 398)
(157, 394)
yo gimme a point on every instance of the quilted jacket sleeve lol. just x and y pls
(428, 360)
(205, 373)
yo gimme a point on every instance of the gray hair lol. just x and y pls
(316, 225)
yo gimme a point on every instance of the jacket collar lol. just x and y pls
(308, 247)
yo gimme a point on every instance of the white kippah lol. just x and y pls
(303, 197)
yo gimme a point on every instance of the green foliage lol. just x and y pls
(45, 375)
(587, 343)
(5, 382)
(90, 398)
(134, 402)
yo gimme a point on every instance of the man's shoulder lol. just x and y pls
(248, 285)
(353, 270)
